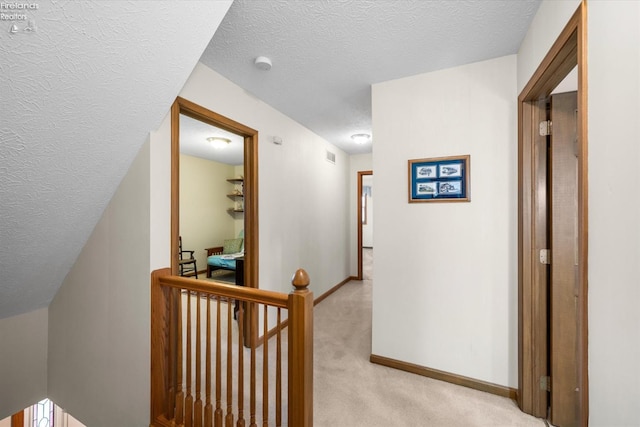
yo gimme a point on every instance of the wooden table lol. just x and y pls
(240, 271)
(239, 282)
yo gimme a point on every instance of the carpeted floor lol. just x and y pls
(350, 391)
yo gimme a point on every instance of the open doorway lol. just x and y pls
(247, 187)
(211, 201)
(365, 224)
(248, 170)
(552, 253)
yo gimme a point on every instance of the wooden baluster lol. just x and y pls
(188, 401)
(254, 343)
(279, 372)
(180, 392)
(218, 413)
(174, 313)
(240, 422)
(197, 409)
(300, 305)
(208, 409)
(162, 349)
(229, 418)
(265, 370)
(188, 408)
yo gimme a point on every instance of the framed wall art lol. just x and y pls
(439, 179)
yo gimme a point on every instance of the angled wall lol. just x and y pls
(24, 342)
(99, 321)
(88, 350)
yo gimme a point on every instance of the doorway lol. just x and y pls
(211, 198)
(365, 219)
(552, 239)
(184, 108)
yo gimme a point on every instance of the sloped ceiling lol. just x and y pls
(80, 93)
(327, 54)
(79, 96)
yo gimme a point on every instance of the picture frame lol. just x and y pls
(440, 179)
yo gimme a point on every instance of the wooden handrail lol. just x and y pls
(176, 403)
(260, 296)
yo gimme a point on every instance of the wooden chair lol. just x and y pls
(186, 261)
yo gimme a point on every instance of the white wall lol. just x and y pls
(614, 212)
(550, 20)
(99, 321)
(204, 220)
(358, 162)
(160, 196)
(445, 296)
(23, 352)
(303, 204)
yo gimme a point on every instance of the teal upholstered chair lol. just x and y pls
(224, 257)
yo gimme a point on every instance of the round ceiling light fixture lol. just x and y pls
(263, 63)
(218, 142)
(361, 138)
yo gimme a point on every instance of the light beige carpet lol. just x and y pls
(350, 391)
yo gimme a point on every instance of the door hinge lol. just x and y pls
(545, 256)
(545, 383)
(545, 128)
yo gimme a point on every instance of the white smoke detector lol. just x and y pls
(263, 63)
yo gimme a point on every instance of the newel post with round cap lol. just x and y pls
(301, 351)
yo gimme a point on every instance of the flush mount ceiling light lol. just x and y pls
(218, 142)
(263, 63)
(361, 138)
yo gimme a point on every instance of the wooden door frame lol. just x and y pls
(17, 419)
(250, 190)
(569, 50)
(359, 197)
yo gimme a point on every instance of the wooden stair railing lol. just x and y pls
(182, 374)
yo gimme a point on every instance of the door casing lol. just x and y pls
(568, 51)
(195, 111)
(359, 197)
(250, 190)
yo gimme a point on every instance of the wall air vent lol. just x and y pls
(331, 157)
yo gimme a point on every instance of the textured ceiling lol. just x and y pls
(79, 97)
(327, 54)
(81, 92)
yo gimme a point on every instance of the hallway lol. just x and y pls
(350, 391)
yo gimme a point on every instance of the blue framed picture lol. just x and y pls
(439, 179)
